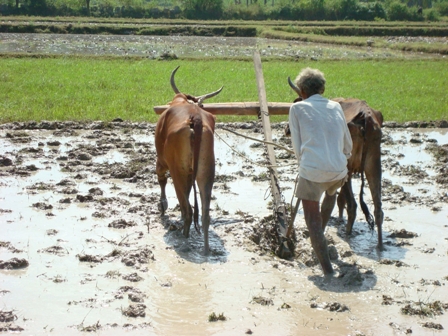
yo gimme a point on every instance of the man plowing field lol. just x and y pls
(322, 144)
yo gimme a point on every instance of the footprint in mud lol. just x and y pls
(348, 278)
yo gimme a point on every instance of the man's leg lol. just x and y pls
(329, 201)
(313, 221)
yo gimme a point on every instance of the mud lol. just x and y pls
(172, 47)
(83, 247)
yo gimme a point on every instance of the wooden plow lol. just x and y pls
(284, 243)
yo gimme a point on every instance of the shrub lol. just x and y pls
(203, 9)
(442, 8)
(251, 12)
(313, 9)
(431, 14)
(401, 12)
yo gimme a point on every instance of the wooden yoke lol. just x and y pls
(238, 108)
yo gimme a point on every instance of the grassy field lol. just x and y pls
(104, 89)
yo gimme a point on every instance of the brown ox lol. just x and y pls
(184, 145)
(365, 125)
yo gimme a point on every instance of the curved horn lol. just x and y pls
(293, 86)
(173, 85)
(208, 95)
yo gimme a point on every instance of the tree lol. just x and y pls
(37, 7)
(203, 9)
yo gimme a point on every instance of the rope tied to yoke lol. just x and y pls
(257, 140)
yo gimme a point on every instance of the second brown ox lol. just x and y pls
(184, 144)
(365, 125)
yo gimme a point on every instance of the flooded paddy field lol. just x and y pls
(83, 247)
(197, 46)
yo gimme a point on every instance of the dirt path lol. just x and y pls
(83, 248)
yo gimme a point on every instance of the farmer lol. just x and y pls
(322, 144)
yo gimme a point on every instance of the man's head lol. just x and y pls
(310, 82)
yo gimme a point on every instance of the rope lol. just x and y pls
(240, 154)
(295, 209)
(245, 157)
(262, 141)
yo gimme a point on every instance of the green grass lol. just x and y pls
(103, 89)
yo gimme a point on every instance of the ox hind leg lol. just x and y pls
(205, 178)
(341, 204)
(182, 185)
(347, 192)
(161, 176)
(373, 175)
(179, 158)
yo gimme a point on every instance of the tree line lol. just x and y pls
(330, 10)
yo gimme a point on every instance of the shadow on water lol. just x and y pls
(351, 277)
(363, 241)
(347, 278)
(192, 248)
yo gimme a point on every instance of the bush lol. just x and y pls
(442, 8)
(251, 12)
(354, 10)
(313, 9)
(401, 12)
(431, 15)
(203, 9)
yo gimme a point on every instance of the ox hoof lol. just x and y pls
(163, 205)
(348, 231)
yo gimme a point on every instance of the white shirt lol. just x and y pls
(320, 139)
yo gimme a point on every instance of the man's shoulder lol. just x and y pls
(300, 104)
(334, 105)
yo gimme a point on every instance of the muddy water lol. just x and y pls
(150, 261)
(187, 46)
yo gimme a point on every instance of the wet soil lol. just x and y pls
(162, 47)
(83, 247)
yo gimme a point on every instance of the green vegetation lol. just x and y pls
(104, 89)
(213, 317)
(359, 10)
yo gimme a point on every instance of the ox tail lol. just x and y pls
(365, 209)
(196, 125)
(367, 135)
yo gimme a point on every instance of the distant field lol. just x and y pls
(104, 89)
(354, 33)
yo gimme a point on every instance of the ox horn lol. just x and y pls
(293, 86)
(208, 95)
(173, 85)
